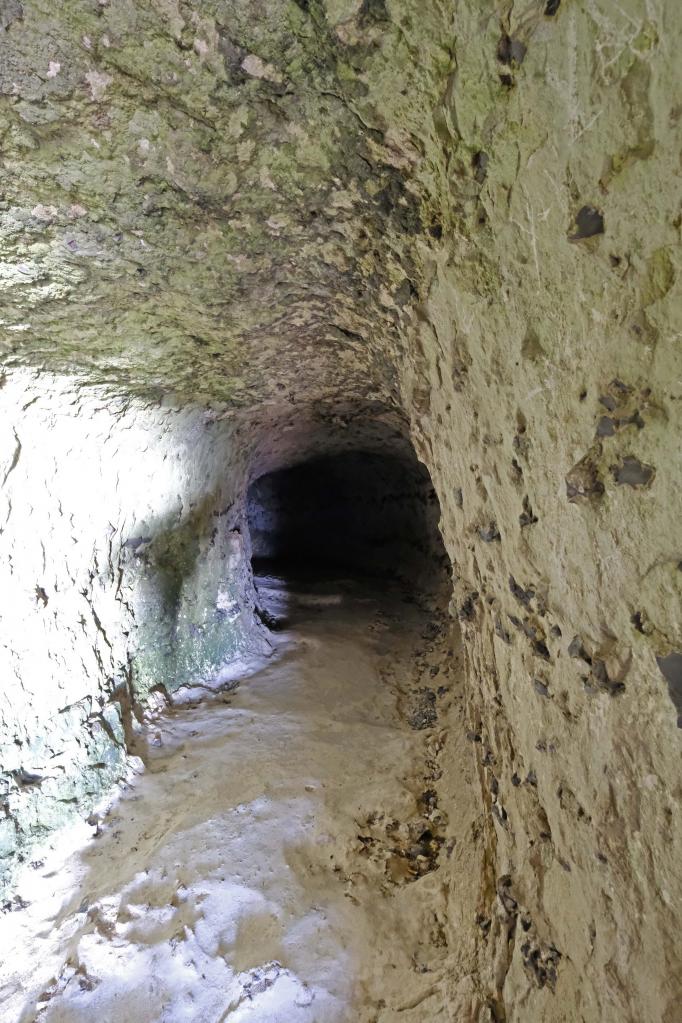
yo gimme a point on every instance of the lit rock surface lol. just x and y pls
(124, 575)
(457, 222)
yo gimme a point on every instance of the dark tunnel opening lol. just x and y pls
(359, 513)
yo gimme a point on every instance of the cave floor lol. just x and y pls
(279, 859)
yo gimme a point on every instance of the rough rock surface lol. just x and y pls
(367, 219)
(124, 576)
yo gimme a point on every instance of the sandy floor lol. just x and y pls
(279, 860)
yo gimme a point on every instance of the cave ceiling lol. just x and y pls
(223, 202)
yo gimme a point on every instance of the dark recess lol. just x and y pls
(358, 512)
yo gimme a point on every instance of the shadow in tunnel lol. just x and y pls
(357, 513)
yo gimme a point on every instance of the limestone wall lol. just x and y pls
(545, 397)
(124, 572)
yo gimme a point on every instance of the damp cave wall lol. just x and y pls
(125, 575)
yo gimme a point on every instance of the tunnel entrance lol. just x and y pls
(360, 513)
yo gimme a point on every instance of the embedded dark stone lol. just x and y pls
(577, 649)
(671, 669)
(524, 597)
(588, 223)
(632, 472)
(467, 611)
(583, 482)
(490, 533)
(511, 51)
(527, 517)
(480, 165)
(606, 427)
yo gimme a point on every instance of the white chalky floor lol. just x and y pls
(280, 858)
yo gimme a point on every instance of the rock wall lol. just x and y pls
(124, 575)
(545, 391)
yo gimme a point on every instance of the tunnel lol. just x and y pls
(340, 581)
(366, 514)
(282, 716)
